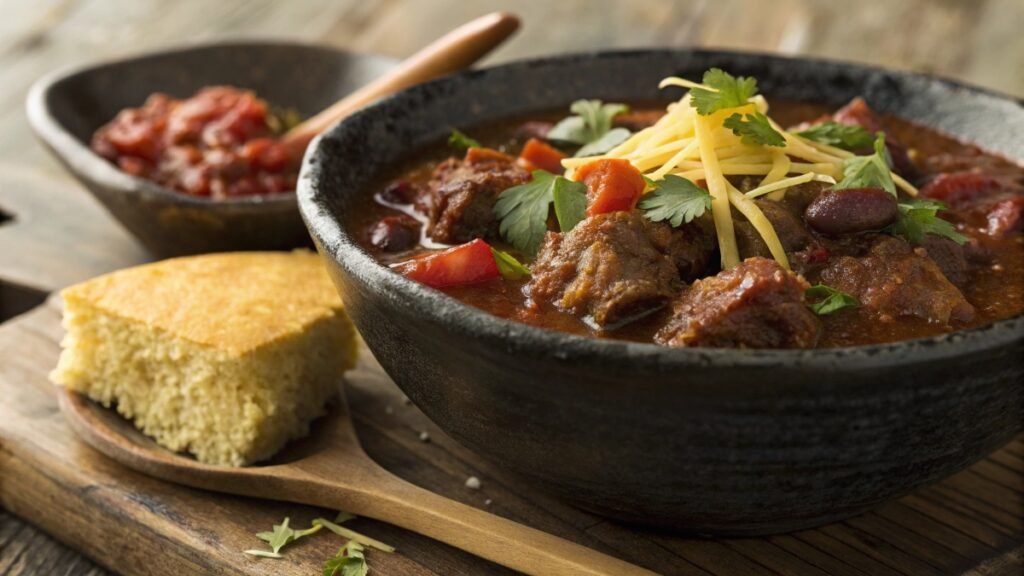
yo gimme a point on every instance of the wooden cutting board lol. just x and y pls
(972, 523)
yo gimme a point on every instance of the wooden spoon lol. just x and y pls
(452, 52)
(329, 469)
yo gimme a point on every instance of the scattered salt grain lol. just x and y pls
(473, 483)
(424, 437)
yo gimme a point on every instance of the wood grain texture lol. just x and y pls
(974, 521)
(58, 235)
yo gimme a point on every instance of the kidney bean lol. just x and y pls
(395, 233)
(851, 211)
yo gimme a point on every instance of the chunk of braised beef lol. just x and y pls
(851, 211)
(788, 225)
(463, 192)
(756, 304)
(610, 268)
(949, 257)
(894, 280)
(395, 233)
(692, 247)
(1005, 217)
(857, 112)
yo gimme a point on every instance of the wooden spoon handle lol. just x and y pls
(452, 52)
(486, 535)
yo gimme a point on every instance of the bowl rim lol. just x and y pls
(438, 308)
(83, 160)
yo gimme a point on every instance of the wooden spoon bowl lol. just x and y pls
(329, 469)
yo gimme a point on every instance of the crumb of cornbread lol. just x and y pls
(226, 356)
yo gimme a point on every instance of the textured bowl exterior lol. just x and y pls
(66, 107)
(705, 440)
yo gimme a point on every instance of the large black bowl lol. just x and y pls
(709, 440)
(66, 107)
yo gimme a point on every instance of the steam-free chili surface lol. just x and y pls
(992, 280)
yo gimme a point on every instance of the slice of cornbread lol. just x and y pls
(226, 356)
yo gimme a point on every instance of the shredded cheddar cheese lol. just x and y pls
(698, 147)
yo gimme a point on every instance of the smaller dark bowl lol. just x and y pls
(66, 107)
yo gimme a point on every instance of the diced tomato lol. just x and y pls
(484, 155)
(537, 155)
(960, 189)
(612, 185)
(469, 263)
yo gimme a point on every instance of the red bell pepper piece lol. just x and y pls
(537, 155)
(612, 184)
(468, 263)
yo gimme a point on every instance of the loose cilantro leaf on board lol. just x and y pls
(730, 92)
(828, 299)
(509, 267)
(460, 141)
(570, 205)
(349, 561)
(870, 171)
(845, 136)
(281, 536)
(352, 534)
(591, 127)
(522, 211)
(754, 129)
(919, 217)
(675, 199)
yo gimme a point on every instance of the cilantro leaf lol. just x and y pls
(509, 267)
(731, 92)
(611, 139)
(570, 205)
(281, 536)
(349, 561)
(754, 129)
(591, 127)
(675, 199)
(870, 171)
(523, 210)
(845, 136)
(831, 300)
(461, 142)
(919, 217)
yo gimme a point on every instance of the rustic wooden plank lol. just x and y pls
(25, 551)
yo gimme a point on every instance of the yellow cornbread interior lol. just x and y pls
(225, 356)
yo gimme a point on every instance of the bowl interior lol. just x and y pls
(395, 128)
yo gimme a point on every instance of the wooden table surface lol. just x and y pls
(52, 234)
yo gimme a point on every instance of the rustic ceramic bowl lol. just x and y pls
(66, 107)
(706, 440)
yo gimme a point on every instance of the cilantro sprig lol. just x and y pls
(845, 136)
(729, 92)
(459, 141)
(675, 199)
(591, 127)
(523, 210)
(828, 299)
(349, 561)
(754, 129)
(919, 217)
(870, 171)
(283, 534)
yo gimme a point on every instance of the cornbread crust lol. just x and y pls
(227, 356)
